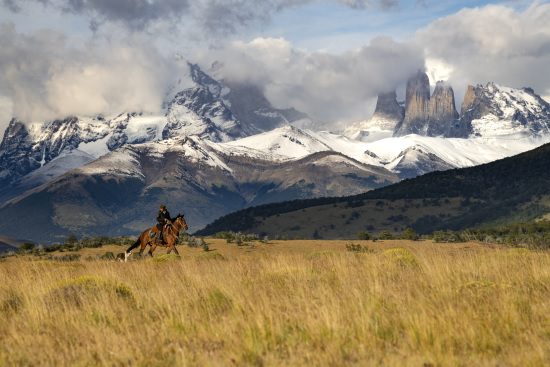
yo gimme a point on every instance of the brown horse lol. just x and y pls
(170, 234)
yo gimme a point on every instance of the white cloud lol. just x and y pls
(326, 86)
(6, 113)
(45, 78)
(214, 17)
(493, 43)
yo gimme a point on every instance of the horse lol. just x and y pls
(170, 234)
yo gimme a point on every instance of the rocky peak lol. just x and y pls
(442, 102)
(468, 100)
(430, 116)
(417, 102)
(516, 110)
(442, 112)
(388, 111)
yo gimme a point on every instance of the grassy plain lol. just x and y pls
(315, 303)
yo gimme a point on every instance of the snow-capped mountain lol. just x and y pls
(407, 156)
(220, 147)
(204, 107)
(120, 192)
(487, 111)
(494, 110)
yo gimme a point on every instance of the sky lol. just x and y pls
(328, 58)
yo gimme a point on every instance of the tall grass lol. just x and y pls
(424, 306)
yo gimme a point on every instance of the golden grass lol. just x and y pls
(287, 303)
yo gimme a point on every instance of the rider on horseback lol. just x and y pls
(147, 237)
(163, 218)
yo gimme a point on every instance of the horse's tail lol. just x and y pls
(135, 245)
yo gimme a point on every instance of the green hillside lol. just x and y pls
(511, 189)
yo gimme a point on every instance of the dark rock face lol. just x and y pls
(442, 112)
(430, 116)
(20, 153)
(416, 106)
(16, 156)
(476, 103)
(388, 109)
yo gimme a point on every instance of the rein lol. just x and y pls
(174, 228)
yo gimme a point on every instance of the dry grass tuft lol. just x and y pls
(402, 257)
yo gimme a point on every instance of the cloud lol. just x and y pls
(45, 78)
(493, 43)
(135, 14)
(326, 86)
(217, 17)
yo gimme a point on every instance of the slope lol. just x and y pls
(509, 189)
(119, 193)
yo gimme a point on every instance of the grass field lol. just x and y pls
(389, 303)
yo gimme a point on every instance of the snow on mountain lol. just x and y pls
(409, 155)
(369, 130)
(198, 105)
(206, 121)
(284, 143)
(500, 111)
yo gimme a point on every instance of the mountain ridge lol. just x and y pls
(492, 192)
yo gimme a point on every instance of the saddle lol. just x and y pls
(155, 235)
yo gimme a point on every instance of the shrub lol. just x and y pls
(363, 236)
(27, 246)
(385, 235)
(352, 247)
(71, 240)
(409, 234)
(446, 237)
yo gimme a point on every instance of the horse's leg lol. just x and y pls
(143, 246)
(152, 249)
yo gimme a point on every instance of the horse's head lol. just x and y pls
(180, 221)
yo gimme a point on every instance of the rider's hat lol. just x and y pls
(163, 206)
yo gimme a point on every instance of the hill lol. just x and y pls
(515, 188)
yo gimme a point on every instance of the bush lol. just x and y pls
(352, 247)
(195, 242)
(363, 236)
(27, 246)
(240, 239)
(71, 240)
(409, 234)
(385, 235)
(446, 237)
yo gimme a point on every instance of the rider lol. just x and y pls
(163, 218)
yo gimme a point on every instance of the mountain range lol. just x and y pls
(508, 190)
(220, 147)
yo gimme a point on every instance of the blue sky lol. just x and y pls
(334, 27)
